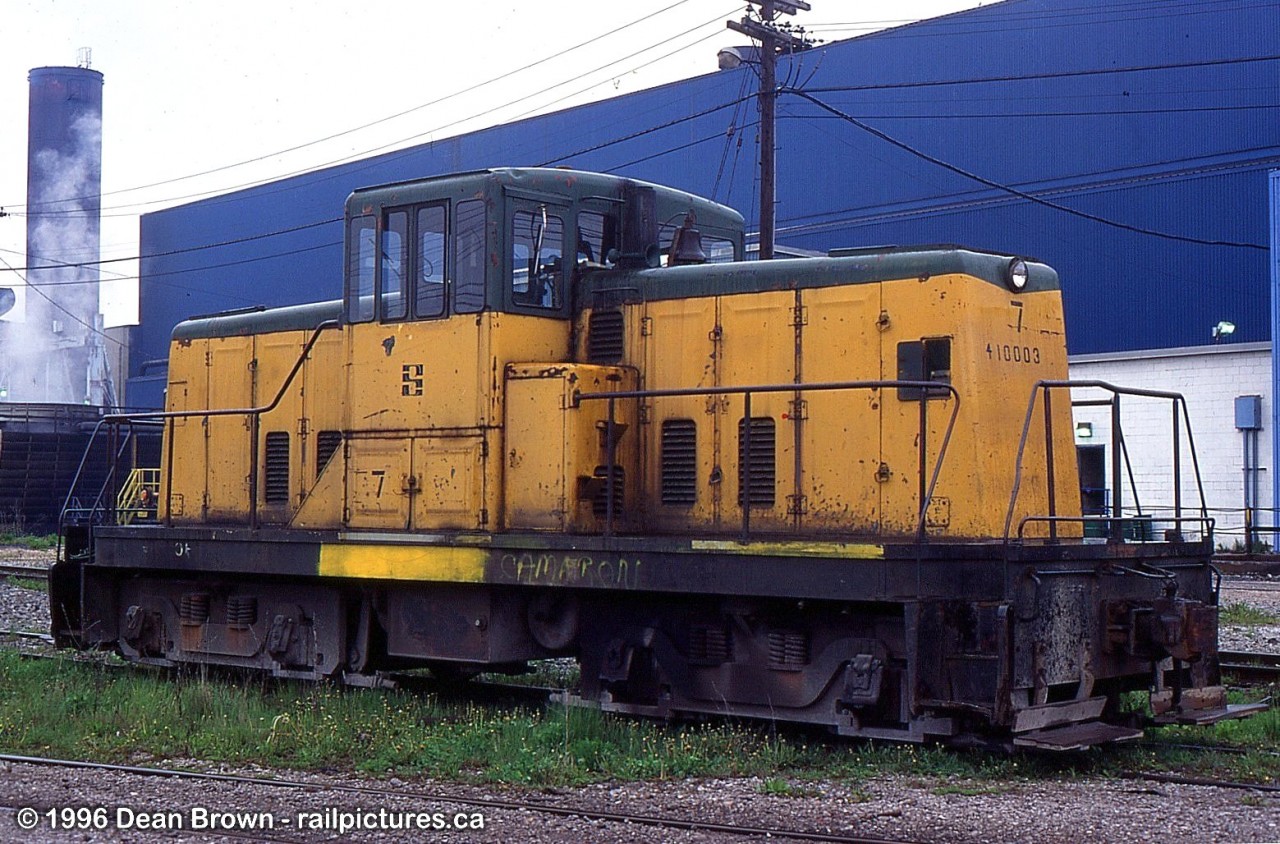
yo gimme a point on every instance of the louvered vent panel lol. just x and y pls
(762, 460)
(275, 488)
(679, 462)
(788, 649)
(327, 443)
(604, 337)
(710, 644)
(600, 503)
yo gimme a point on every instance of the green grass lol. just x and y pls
(780, 787)
(1243, 614)
(86, 711)
(28, 583)
(35, 543)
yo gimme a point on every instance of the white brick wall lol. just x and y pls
(1210, 378)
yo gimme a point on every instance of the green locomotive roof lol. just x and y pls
(853, 267)
(258, 321)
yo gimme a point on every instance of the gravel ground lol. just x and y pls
(897, 808)
(893, 807)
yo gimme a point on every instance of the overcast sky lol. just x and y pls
(257, 90)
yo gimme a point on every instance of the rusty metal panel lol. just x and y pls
(378, 490)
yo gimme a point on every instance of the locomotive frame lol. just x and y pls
(793, 490)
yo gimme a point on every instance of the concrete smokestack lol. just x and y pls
(51, 357)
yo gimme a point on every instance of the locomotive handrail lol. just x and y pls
(84, 459)
(928, 389)
(1119, 453)
(254, 413)
(1206, 522)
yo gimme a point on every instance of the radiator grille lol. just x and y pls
(275, 489)
(600, 502)
(605, 337)
(679, 462)
(761, 459)
(327, 443)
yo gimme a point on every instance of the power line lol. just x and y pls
(1060, 74)
(35, 288)
(318, 171)
(1011, 190)
(819, 90)
(185, 249)
(1100, 113)
(641, 133)
(593, 40)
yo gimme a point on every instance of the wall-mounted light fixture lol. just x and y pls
(1084, 430)
(1223, 329)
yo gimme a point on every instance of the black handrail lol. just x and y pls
(254, 413)
(928, 389)
(1119, 452)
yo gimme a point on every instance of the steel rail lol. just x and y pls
(1246, 664)
(1178, 779)
(19, 570)
(654, 821)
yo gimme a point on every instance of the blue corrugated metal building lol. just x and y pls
(1125, 143)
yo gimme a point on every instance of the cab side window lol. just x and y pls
(537, 255)
(469, 256)
(361, 260)
(430, 275)
(395, 267)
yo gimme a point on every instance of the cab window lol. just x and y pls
(537, 249)
(597, 236)
(395, 266)
(361, 259)
(430, 275)
(469, 255)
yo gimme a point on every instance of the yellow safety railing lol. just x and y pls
(138, 497)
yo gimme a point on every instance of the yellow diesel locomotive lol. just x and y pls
(557, 413)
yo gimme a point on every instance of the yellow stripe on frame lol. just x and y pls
(792, 549)
(400, 562)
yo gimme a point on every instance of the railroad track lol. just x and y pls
(1247, 665)
(1248, 584)
(35, 572)
(655, 822)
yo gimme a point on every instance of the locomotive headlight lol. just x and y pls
(1015, 275)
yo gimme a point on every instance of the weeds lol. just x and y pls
(1245, 615)
(36, 543)
(65, 708)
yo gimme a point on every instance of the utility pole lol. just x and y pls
(772, 38)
